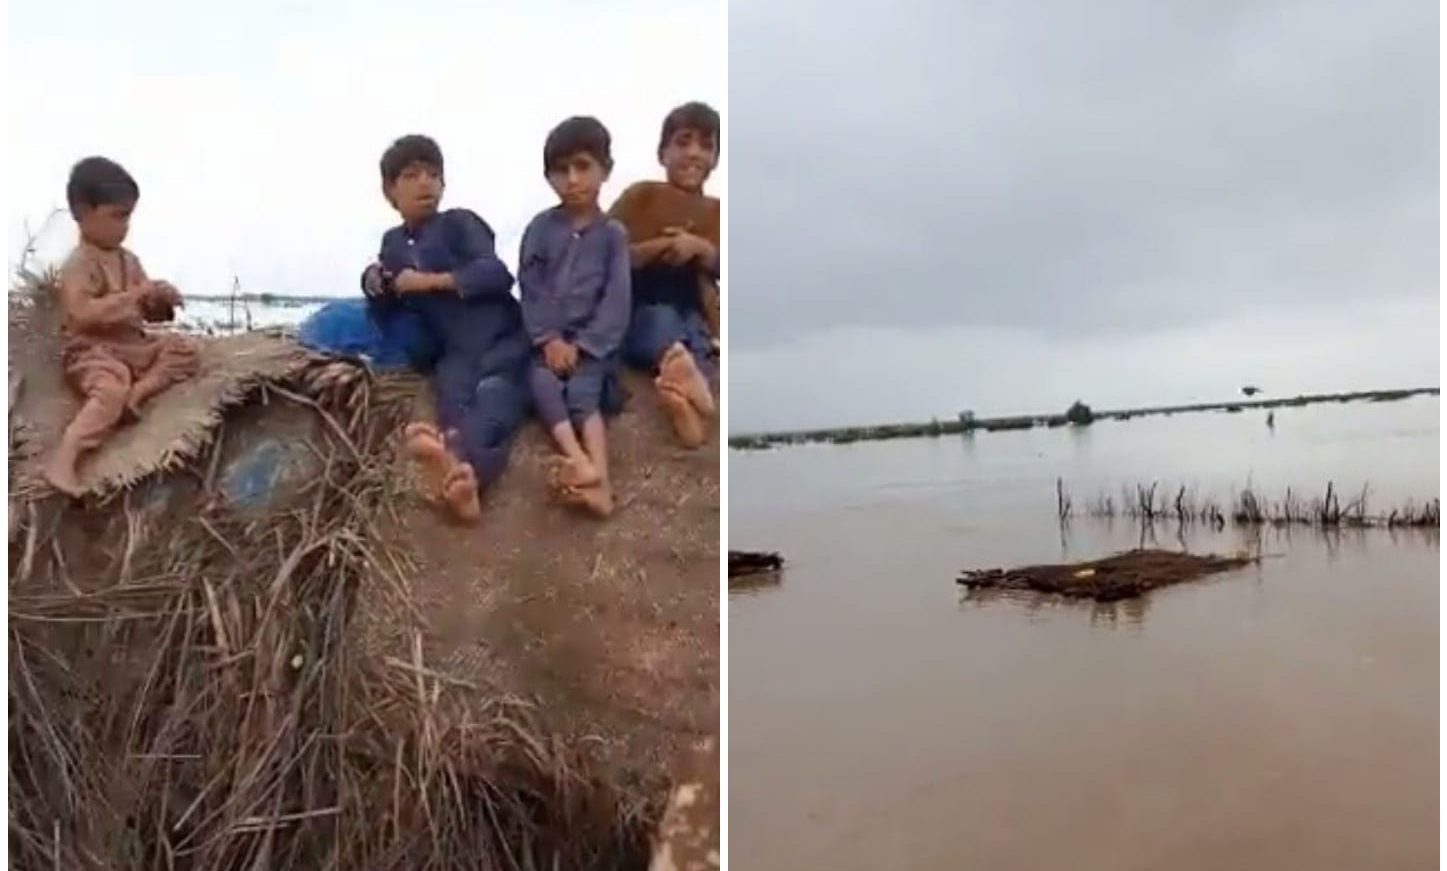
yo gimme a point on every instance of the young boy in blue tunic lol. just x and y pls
(673, 228)
(439, 274)
(574, 275)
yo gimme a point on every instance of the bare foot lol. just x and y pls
(422, 428)
(459, 494)
(60, 472)
(681, 413)
(579, 495)
(597, 499)
(679, 369)
(579, 472)
(555, 482)
(427, 449)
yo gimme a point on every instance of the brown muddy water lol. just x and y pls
(1284, 716)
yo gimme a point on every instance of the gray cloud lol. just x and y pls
(1084, 169)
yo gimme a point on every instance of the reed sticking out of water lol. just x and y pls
(1149, 504)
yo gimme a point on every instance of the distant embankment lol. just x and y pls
(845, 435)
(276, 299)
(222, 315)
(225, 314)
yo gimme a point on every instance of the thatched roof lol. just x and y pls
(338, 680)
(178, 424)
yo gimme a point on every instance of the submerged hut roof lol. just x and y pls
(314, 670)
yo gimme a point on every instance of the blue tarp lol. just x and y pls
(346, 329)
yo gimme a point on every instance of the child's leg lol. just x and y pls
(685, 419)
(651, 330)
(461, 494)
(598, 498)
(679, 344)
(428, 449)
(549, 401)
(480, 435)
(105, 382)
(679, 367)
(595, 442)
(447, 476)
(485, 429)
(584, 396)
(704, 350)
(688, 366)
(708, 297)
(177, 359)
(656, 332)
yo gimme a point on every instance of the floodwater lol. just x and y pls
(1281, 717)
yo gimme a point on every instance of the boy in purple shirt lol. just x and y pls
(574, 275)
(439, 282)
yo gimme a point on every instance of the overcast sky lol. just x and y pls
(254, 128)
(1005, 206)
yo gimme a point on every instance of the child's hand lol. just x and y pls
(165, 293)
(567, 358)
(158, 301)
(675, 252)
(561, 357)
(374, 280)
(412, 281)
(686, 248)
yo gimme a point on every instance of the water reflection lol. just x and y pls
(755, 583)
(1111, 615)
(1418, 537)
(1126, 613)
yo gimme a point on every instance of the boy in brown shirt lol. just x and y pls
(105, 298)
(673, 231)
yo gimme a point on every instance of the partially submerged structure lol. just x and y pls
(1122, 576)
(745, 562)
(249, 646)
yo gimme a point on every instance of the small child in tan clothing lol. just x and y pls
(105, 298)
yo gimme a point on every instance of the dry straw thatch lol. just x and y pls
(181, 422)
(192, 689)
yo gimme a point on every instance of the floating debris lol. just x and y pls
(745, 562)
(1123, 576)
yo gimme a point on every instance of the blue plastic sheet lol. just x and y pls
(346, 329)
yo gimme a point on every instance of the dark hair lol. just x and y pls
(579, 134)
(99, 181)
(692, 116)
(413, 148)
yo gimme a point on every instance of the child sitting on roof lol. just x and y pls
(105, 298)
(439, 271)
(573, 271)
(674, 231)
